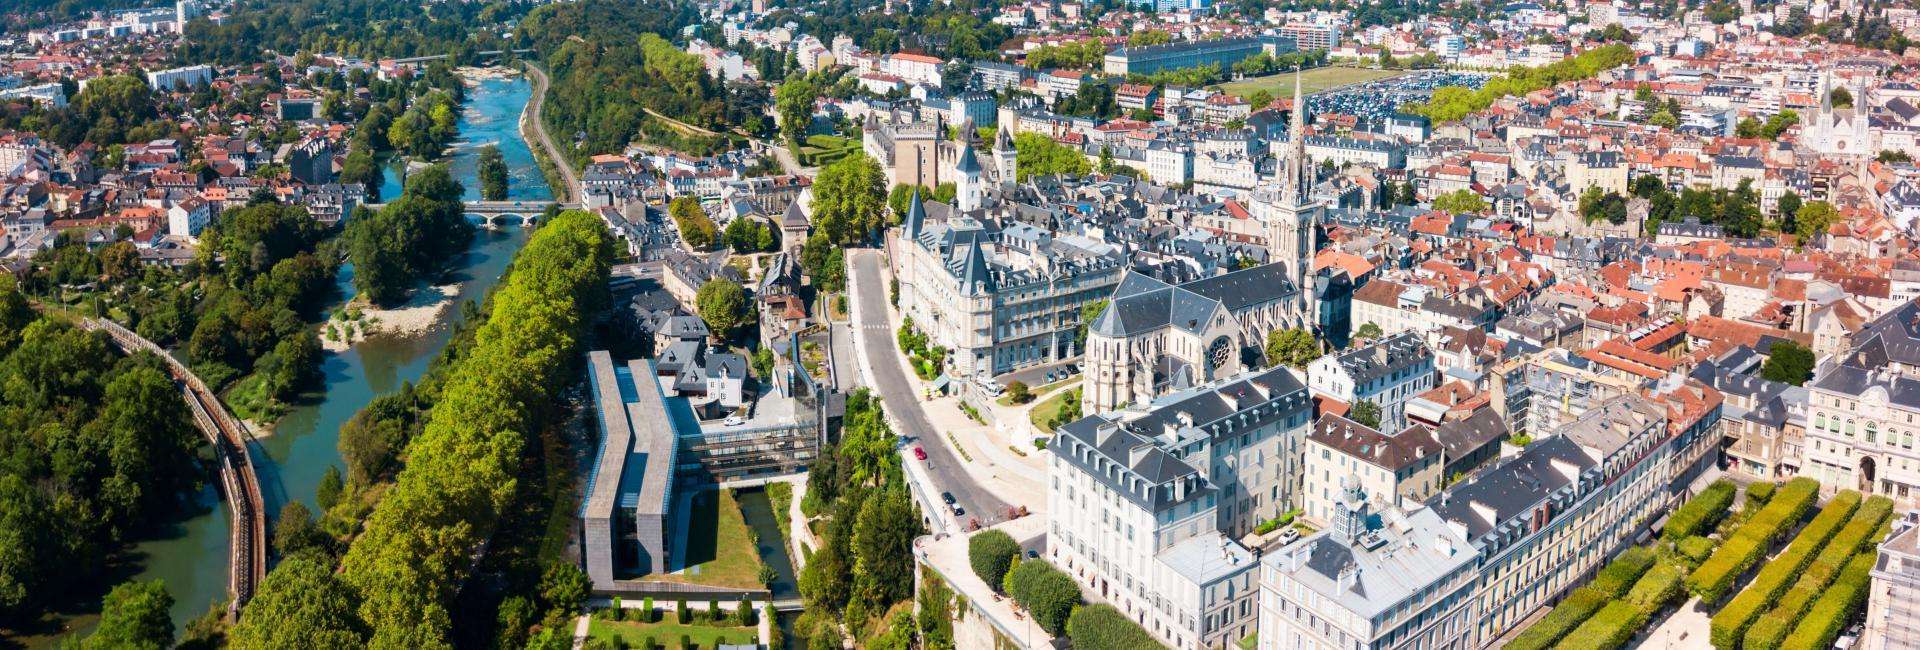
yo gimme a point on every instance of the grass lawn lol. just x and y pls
(667, 633)
(1281, 85)
(824, 149)
(720, 550)
(1037, 392)
(1043, 410)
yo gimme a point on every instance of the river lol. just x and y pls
(192, 556)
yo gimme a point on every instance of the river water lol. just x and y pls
(192, 556)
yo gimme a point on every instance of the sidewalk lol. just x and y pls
(948, 557)
(1017, 479)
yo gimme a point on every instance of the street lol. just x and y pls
(897, 391)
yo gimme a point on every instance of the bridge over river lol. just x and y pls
(239, 484)
(494, 214)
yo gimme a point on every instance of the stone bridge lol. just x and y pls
(494, 214)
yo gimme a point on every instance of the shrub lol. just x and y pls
(683, 614)
(1759, 493)
(1047, 594)
(1699, 514)
(1658, 588)
(1696, 548)
(647, 612)
(1767, 632)
(1102, 626)
(991, 553)
(1729, 625)
(1611, 627)
(1823, 622)
(1613, 582)
(1817, 576)
(1752, 539)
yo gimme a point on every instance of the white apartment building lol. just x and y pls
(1387, 373)
(1485, 554)
(1146, 502)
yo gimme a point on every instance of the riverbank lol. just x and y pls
(360, 320)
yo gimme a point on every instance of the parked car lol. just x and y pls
(734, 421)
(919, 453)
(959, 511)
(1033, 554)
(947, 497)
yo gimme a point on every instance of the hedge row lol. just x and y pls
(1615, 624)
(1048, 594)
(1612, 583)
(1696, 549)
(1102, 626)
(1759, 493)
(1752, 540)
(1817, 576)
(1699, 514)
(1730, 624)
(1829, 615)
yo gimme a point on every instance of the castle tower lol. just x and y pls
(967, 189)
(1005, 157)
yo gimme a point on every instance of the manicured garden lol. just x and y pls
(720, 548)
(682, 628)
(821, 150)
(1800, 599)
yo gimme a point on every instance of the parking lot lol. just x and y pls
(1379, 99)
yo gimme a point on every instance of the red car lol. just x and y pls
(919, 453)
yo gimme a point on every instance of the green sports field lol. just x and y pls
(1315, 80)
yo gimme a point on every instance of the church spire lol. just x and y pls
(1296, 167)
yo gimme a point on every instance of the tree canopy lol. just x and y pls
(415, 236)
(1038, 155)
(723, 305)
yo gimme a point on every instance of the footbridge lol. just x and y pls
(239, 484)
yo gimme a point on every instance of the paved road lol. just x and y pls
(898, 393)
(534, 106)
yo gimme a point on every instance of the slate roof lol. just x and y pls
(1514, 487)
(1142, 304)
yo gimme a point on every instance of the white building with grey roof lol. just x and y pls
(998, 294)
(1481, 557)
(1387, 373)
(1146, 502)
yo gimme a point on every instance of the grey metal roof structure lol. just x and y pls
(633, 468)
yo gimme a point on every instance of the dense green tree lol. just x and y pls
(1367, 332)
(134, 617)
(1101, 626)
(493, 173)
(1460, 202)
(328, 492)
(1451, 103)
(991, 554)
(1036, 154)
(1291, 347)
(1813, 219)
(1076, 55)
(1786, 208)
(1788, 362)
(883, 546)
(849, 199)
(1366, 412)
(723, 305)
(696, 228)
(1047, 594)
(794, 104)
(564, 588)
(410, 238)
(301, 604)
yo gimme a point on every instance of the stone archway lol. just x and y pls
(1866, 474)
